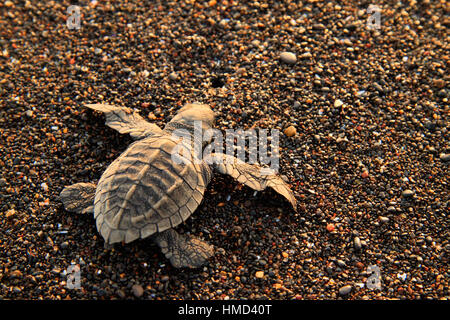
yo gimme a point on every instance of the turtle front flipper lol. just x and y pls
(125, 120)
(79, 197)
(251, 175)
(183, 251)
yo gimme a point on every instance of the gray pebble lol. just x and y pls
(384, 219)
(306, 55)
(173, 76)
(341, 263)
(444, 157)
(357, 243)
(138, 291)
(407, 193)
(121, 294)
(345, 290)
(391, 209)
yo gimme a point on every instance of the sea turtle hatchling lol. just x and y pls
(145, 193)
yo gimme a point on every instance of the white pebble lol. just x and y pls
(44, 186)
(338, 103)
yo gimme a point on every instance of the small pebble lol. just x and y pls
(357, 243)
(306, 55)
(384, 219)
(407, 193)
(288, 57)
(338, 103)
(391, 209)
(138, 291)
(10, 213)
(121, 294)
(345, 290)
(341, 263)
(290, 131)
(173, 76)
(445, 157)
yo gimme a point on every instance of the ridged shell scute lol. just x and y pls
(143, 191)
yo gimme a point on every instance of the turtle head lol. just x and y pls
(193, 112)
(192, 121)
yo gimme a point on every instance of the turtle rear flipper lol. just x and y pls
(251, 175)
(79, 197)
(125, 120)
(183, 251)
